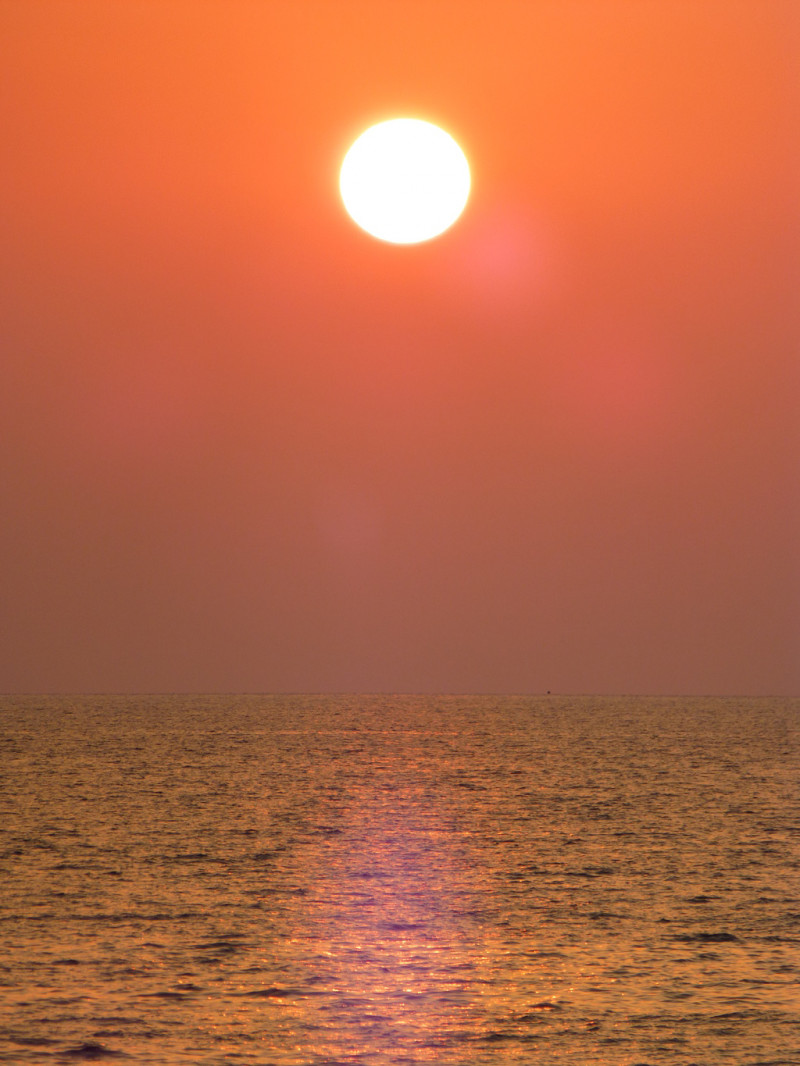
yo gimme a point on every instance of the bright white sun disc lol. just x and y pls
(404, 181)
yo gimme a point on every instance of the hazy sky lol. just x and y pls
(245, 446)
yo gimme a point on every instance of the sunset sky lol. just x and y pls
(247, 447)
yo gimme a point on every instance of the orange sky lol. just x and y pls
(247, 447)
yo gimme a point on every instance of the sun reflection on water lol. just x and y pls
(390, 948)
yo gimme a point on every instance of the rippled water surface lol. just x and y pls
(457, 880)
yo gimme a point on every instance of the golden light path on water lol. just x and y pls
(397, 926)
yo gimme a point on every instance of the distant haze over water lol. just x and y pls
(376, 880)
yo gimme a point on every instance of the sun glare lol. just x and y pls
(404, 181)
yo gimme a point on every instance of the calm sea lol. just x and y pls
(296, 880)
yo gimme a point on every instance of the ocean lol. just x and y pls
(297, 880)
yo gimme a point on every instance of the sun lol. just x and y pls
(404, 181)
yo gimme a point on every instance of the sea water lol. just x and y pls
(296, 880)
